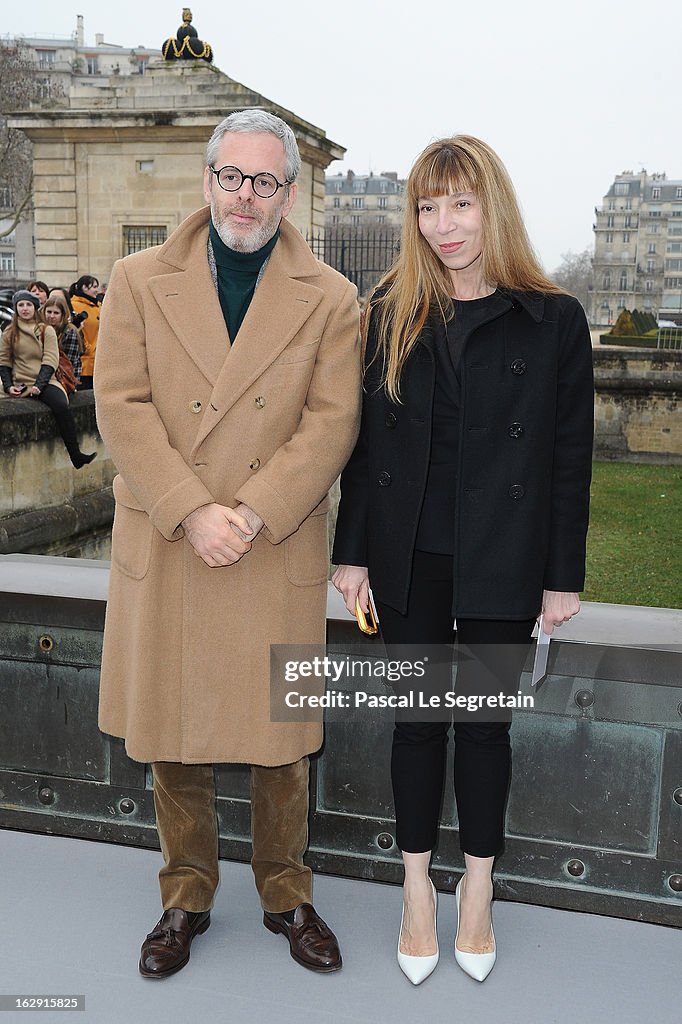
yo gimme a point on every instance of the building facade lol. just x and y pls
(60, 64)
(372, 201)
(119, 138)
(638, 248)
(115, 170)
(59, 60)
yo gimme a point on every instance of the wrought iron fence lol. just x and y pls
(362, 255)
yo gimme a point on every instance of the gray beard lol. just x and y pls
(252, 242)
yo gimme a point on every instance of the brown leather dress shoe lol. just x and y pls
(166, 949)
(311, 942)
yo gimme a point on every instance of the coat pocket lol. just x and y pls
(306, 552)
(132, 534)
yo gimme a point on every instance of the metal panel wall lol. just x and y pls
(594, 817)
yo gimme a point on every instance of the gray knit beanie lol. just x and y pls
(24, 296)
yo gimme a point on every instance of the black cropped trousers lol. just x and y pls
(490, 654)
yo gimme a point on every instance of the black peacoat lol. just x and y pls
(524, 462)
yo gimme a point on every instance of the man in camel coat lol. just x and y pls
(227, 381)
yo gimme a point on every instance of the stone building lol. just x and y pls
(60, 62)
(363, 200)
(638, 248)
(119, 166)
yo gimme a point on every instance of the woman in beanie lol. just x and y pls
(29, 356)
(84, 300)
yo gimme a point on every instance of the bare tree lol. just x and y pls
(574, 273)
(19, 86)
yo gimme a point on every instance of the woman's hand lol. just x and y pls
(15, 390)
(557, 608)
(352, 581)
(34, 392)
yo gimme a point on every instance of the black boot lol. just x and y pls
(80, 459)
(55, 399)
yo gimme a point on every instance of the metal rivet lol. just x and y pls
(259, 402)
(46, 643)
(677, 796)
(675, 883)
(679, 709)
(575, 868)
(46, 795)
(385, 841)
(254, 464)
(584, 699)
(126, 806)
(195, 406)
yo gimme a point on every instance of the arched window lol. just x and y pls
(623, 281)
(606, 283)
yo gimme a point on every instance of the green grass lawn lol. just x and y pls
(634, 554)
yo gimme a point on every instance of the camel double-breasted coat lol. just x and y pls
(189, 419)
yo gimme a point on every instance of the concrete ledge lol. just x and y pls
(46, 505)
(622, 356)
(23, 420)
(38, 529)
(605, 624)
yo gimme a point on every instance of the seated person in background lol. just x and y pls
(29, 356)
(56, 313)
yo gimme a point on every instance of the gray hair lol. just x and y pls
(256, 121)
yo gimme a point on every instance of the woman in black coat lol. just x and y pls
(466, 502)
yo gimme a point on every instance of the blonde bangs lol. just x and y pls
(440, 171)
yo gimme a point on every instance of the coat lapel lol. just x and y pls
(280, 307)
(188, 298)
(203, 334)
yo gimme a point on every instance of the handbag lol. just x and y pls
(64, 373)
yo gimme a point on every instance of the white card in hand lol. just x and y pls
(541, 655)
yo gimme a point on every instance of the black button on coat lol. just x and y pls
(522, 498)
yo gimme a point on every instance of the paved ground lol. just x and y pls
(75, 912)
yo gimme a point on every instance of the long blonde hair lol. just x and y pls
(56, 299)
(418, 282)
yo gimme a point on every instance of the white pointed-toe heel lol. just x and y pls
(477, 965)
(418, 968)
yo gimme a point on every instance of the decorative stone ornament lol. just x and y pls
(187, 45)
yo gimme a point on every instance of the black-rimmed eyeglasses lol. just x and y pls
(264, 184)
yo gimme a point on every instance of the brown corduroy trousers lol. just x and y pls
(184, 798)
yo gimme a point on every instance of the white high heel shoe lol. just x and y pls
(477, 965)
(418, 968)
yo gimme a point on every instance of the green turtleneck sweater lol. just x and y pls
(237, 276)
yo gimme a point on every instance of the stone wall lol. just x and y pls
(46, 506)
(638, 415)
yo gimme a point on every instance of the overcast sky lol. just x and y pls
(569, 93)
